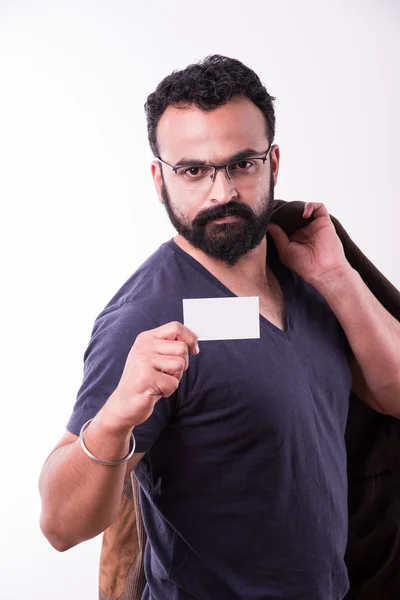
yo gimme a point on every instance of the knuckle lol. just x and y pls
(177, 326)
(174, 383)
(148, 395)
(167, 385)
(182, 363)
(141, 338)
(182, 348)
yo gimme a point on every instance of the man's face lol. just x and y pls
(215, 137)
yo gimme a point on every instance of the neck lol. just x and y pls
(250, 271)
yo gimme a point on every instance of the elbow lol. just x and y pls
(60, 545)
(55, 538)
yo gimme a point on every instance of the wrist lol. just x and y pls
(110, 419)
(336, 282)
(110, 445)
(107, 437)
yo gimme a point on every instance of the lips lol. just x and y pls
(228, 219)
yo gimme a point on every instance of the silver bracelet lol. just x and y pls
(112, 463)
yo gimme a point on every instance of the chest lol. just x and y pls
(272, 301)
(273, 308)
(267, 387)
(294, 377)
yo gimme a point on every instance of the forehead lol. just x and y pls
(211, 135)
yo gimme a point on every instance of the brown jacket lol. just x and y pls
(373, 448)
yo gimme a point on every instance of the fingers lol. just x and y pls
(317, 208)
(177, 331)
(165, 384)
(279, 236)
(173, 348)
(154, 369)
(171, 365)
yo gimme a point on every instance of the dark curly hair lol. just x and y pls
(208, 84)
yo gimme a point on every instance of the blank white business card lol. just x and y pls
(236, 318)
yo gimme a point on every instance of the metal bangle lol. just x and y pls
(112, 463)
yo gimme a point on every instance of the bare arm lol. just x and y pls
(81, 498)
(374, 336)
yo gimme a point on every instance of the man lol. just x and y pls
(240, 451)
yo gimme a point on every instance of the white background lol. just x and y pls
(78, 208)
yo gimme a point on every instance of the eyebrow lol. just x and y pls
(241, 155)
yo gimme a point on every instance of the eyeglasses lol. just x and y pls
(243, 173)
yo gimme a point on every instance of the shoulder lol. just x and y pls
(143, 282)
(144, 296)
(125, 316)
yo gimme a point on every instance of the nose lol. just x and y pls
(223, 189)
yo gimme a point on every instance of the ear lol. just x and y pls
(157, 179)
(275, 158)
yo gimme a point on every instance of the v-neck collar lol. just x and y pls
(283, 275)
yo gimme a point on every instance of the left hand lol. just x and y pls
(315, 251)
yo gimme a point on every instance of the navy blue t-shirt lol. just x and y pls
(243, 485)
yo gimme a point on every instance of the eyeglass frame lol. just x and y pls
(217, 167)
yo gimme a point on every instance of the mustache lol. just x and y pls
(232, 209)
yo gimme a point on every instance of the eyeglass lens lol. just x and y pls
(244, 173)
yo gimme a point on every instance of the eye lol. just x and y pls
(242, 165)
(193, 172)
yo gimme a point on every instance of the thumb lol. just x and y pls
(280, 238)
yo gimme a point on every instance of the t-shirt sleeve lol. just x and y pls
(113, 335)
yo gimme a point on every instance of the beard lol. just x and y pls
(226, 242)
